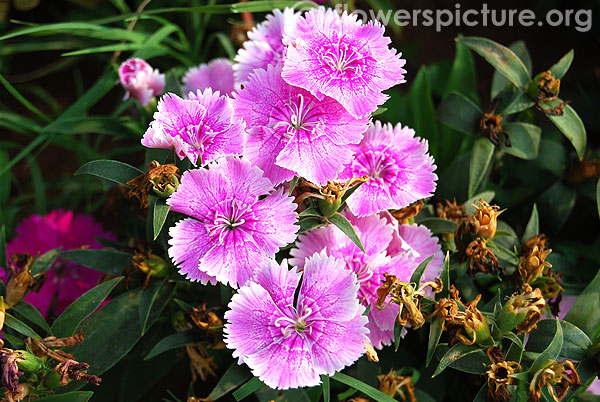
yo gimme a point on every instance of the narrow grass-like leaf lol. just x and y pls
(597, 197)
(514, 338)
(106, 260)
(45, 261)
(19, 326)
(32, 314)
(421, 110)
(362, 387)
(575, 344)
(560, 69)
(533, 225)
(481, 159)
(3, 246)
(233, 377)
(346, 227)
(248, 389)
(456, 352)
(12, 90)
(571, 126)
(551, 352)
(69, 321)
(76, 396)
(39, 187)
(313, 212)
(418, 272)
(326, 388)
(172, 341)
(445, 277)
(149, 296)
(158, 211)
(293, 184)
(114, 171)
(397, 334)
(435, 333)
(515, 352)
(501, 58)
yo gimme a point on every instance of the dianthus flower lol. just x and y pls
(290, 132)
(400, 170)
(340, 57)
(140, 80)
(201, 128)
(287, 344)
(65, 281)
(230, 230)
(386, 252)
(264, 47)
(218, 75)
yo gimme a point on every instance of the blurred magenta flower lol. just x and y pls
(287, 344)
(290, 132)
(218, 75)
(140, 80)
(201, 128)
(264, 47)
(400, 170)
(340, 57)
(66, 281)
(396, 250)
(236, 222)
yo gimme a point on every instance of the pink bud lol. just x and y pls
(140, 80)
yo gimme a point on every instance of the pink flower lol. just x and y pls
(217, 75)
(290, 132)
(140, 80)
(65, 281)
(338, 56)
(400, 170)
(236, 222)
(287, 344)
(201, 128)
(265, 47)
(389, 249)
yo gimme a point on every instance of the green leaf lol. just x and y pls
(248, 389)
(309, 224)
(349, 192)
(293, 184)
(551, 352)
(114, 171)
(22, 99)
(499, 82)
(19, 326)
(32, 314)
(533, 226)
(77, 396)
(310, 212)
(233, 377)
(173, 341)
(519, 103)
(575, 342)
(149, 296)
(555, 204)
(418, 273)
(158, 211)
(462, 75)
(524, 140)
(515, 353)
(514, 338)
(346, 227)
(481, 159)
(439, 225)
(435, 332)
(597, 199)
(69, 321)
(501, 58)
(421, 110)
(482, 394)
(106, 260)
(3, 257)
(460, 113)
(503, 253)
(585, 312)
(456, 352)
(362, 387)
(44, 261)
(445, 277)
(397, 335)
(560, 69)
(570, 125)
(326, 388)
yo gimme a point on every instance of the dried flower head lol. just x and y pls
(526, 309)
(556, 377)
(533, 258)
(450, 210)
(163, 179)
(499, 378)
(392, 384)
(201, 363)
(329, 196)
(20, 280)
(545, 87)
(484, 220)
(481, 257)
(490, 127)
(371, 353)
(71, 370)
(406, 215)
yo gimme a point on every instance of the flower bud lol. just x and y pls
(522, 311)
(328, 207)
(484, 221)
(544, 87)
(28, 362)
(151, 264)
(140, 80)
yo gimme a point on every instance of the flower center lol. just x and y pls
(299, 323)
(228, 216)
(377, 164)
(341, 56)
(298, 116)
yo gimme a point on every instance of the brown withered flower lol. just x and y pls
(405, 215)
(527, 305)
(481, 257)
(587, 168)
(499, 378)
(464, 322)
(329, 196)
(371, 353)
(556, 377)
(392, 384)
(206, 321)
(71, 370)
(50, 346)
(546, 90)
(533, 259)
(201, 363)
(450, 210)
(407, 296)
(21, 279)
(196, 399)
(150, 264)
(490, 127)
(162, 179)
(484, 220)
